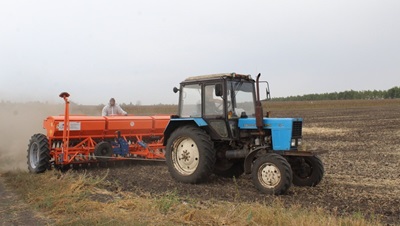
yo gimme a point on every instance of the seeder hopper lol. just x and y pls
(77, 139)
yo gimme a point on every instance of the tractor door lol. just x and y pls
(214, 111)
(240, 104)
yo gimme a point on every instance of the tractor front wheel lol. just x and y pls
(307, 171)
(38, 154)
(190, 155)
(272, 174)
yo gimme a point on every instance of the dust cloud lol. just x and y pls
(18, 122)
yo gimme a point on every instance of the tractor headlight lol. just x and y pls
(293, 143)
(296, 142)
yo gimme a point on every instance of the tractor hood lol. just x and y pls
(282, 129)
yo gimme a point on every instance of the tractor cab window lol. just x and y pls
(242, 94)
(190, 101)
(213, 104)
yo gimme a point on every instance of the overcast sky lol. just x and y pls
(137, 51)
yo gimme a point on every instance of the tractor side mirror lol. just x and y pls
(218, 90)
(268, 92)
(175, 90)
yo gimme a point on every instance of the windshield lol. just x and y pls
(242, 95)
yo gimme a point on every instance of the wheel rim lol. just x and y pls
(104, 151)
(269, 175)
(185, 156)
(33, 155)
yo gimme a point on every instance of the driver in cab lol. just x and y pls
(213, 105)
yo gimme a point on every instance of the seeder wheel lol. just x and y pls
(38, 154)
(103, 151)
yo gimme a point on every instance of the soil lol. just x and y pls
(14, 211)
(362, 167)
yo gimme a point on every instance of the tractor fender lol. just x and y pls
(250, 158)
(175, 123)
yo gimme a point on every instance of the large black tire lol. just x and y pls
(307, 171)
(38, 154)
(190, 155)
(103, 151)
(229, 170)
(272, 174)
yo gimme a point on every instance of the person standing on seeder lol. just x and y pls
(112, 109)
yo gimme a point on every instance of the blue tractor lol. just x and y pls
(220, 128)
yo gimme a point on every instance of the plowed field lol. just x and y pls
(362, 166)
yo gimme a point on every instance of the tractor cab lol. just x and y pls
(218, 100)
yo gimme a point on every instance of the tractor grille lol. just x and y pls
(297, 127)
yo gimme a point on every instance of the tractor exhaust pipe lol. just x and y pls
(259, 110)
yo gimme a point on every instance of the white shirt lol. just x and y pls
(109, 110)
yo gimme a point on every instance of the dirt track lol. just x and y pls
(362, 168)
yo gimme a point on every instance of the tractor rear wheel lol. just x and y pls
(272, 174)
(307, 171)
(38, 154)
(229, 169)
(190, 155)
